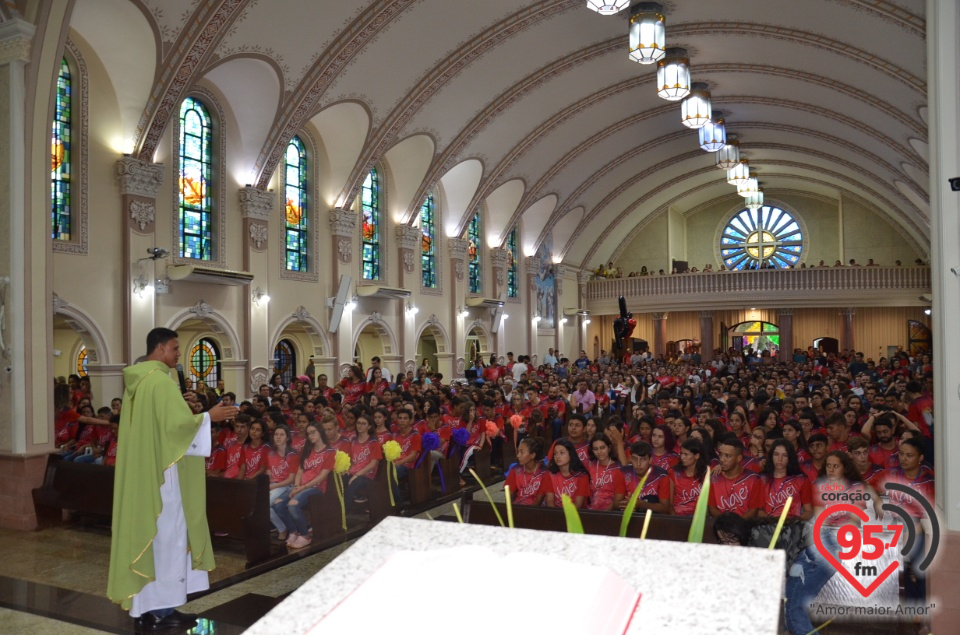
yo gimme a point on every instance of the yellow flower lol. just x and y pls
(341, 464)
(391, 450)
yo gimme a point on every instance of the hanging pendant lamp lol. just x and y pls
(695, 110)
(673, 75)
(748, 187)
(754, 201)
(648, 33)
(607, 7)
(713, 135)
(729, 155)
(739, 172)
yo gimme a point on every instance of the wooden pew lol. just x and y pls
(481, 462)
(238, 508)
(379, 496)
(450, 466)
(419, 482)
(662, 526)
(324, 513)
(509, 449)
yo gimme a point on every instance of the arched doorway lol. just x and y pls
(758, 335)
(430, 342)
(204, 368)
(478, 344)
(374, 339)
(285, 354)
(828, 344)
(919, 340)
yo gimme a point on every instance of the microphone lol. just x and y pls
(183, 380)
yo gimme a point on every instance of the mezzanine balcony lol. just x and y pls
(767, 288)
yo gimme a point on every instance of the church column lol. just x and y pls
(659, 333)
(140, 183)
(706, 336)
(408, 247)
(846, 333)
(559, 271)
(256, 208)
(343, 235)
(26, 394)
(943, 99)
(785, 323)
(457, 248)
(532, 264)
(583, 278)
(499, 257)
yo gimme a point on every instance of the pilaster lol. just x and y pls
(458, 248)
(343, 236)
(257, 210)
(660, 333)
(706, 336)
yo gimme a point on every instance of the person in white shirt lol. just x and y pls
(375, 363)
(550, 359)
(520, 368)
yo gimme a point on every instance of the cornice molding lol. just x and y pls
(256, 204)
(139, 178)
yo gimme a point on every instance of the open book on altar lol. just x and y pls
(467, 590)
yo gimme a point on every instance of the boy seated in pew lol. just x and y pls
(410, 444)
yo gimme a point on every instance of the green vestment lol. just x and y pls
(156, 429)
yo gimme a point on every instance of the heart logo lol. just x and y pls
(832, 559)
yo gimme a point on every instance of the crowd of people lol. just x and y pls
(769, 430)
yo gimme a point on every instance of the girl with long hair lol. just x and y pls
(686, 478)
(567, 476)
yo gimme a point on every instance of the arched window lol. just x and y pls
(370, 226)
(758, 335)
(513, 286)
(766, 238)
(475, 262)
(205, 362)
(196, 166)
(61, 158)
(286, 358)
(82, 362)
(295, 192)
(428, 248)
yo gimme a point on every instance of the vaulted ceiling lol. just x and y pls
(534, 107)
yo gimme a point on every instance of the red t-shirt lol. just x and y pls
(226, 437)
(297, 441)
(577, 484)
(254, 458)
(362, 454)
(777, 490)
(104, 435)
(873, 475)
(923, 483)
(666, 460)
(605, 483)
(110, 456)
(527, 487)
(657, 485)
(686, 492)
(738, 495)
(384, 436)
(752, 463)
(920, 412)
(887, 459)
(216, 461)
(234, 455)
(87, 437)
(825, 486)
(66, 426)
(316, 463)
(811, 470)
(281, 467)
(559, 404)
(342, 444)
(353, 391)
(409, 445)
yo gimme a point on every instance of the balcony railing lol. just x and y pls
(826, 286)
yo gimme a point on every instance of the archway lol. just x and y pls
(758, 335)
(286, 360)
(201, 319)
(919, 339)
(478, 343)
(431, 340)
(373, 338)
(75, 334)
(828, 344)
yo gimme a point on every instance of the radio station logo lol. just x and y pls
(852, 540)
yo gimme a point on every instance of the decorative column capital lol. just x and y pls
(583, 277)
(532, 264)
(458, 248)
(657, 317)
(16, 39)
(785, 312)
(706, 315)
(848, 313)
(560, 269)
(499, 257)
(139, 178)
(256, 204)
(343, 222)
(408, 237)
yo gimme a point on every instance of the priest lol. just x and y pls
(161, 548)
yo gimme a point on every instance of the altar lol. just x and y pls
(684, 588)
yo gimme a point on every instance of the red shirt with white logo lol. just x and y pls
(280, 467)
(777, 490)
(316, 463)
(527, 486)
(254, 458)
(217, 461)
(686, 491)
(606, 481)
(234, 455)
(738, 495)
(657, 485)
(666, 460)
(362, 454)
(923, 483)
(577, 484)
(886, 459)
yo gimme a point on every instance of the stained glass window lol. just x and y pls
(513, 287)
(196, 208)
(60, 156)
(428, 248)
(82, 362)
(286, 361)
(295, 166)
(370, 225)
(766, 238)
(473, 236)
(205, 362)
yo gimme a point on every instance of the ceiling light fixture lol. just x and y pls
(729, 155)
(748, 187)
(739, 172)
(648, 33)
(754, 201)
(673, 75)
(607, 7)
(695, 110)
(713, 135)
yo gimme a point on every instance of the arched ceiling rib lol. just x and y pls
(827, 96)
